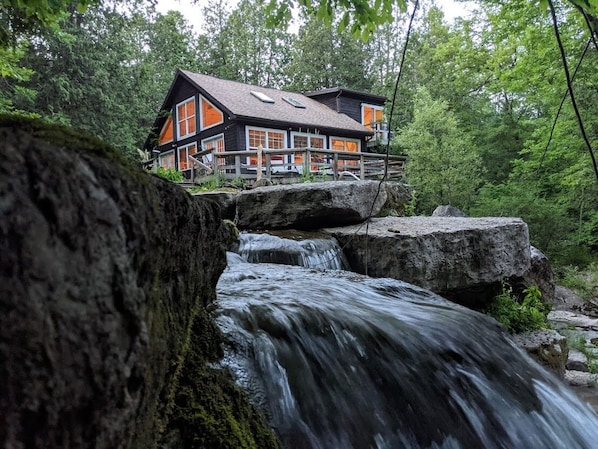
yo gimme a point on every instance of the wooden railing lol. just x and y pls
(286, 164)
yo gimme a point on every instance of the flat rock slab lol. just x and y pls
(548, 347)
(438, 253)
(309, 205)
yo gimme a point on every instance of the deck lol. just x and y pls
(295, 164)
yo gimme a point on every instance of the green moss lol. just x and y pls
(210, 411)
(60, 135)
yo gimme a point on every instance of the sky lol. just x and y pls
(192, 11)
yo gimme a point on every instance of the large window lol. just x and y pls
(270, 139)
(344, 144)
(301, 140)
(185, 117)
(184, 152)
(210, 115)
(372, 116)
(167, 160)
(167, 133)
(213, 143)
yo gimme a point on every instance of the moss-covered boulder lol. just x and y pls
(104, 269)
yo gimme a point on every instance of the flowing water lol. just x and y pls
(340, 361)
(320, 253)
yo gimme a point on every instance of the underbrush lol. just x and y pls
(584, 282)
(519, 315)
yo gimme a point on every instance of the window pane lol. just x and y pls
(210, 115)
(300, 141)
(351, 146)
(257, 138)
(368, 117)
(166, 135)
(338, 145)
(275, 140)
(317, 142)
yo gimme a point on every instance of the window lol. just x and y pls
(185, 116)
(294, 102)
(167, 160)
(213, 143)
(184, 152)
(210, 115)
(372, 116)
(308, 141)
(270, 139)
(344, 144)
(262, 97)
(348, 145)
(167, 133)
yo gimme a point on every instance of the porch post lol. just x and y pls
(260, 150)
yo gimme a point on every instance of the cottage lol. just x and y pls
(212, 125)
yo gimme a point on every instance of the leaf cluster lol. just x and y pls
(516, 315)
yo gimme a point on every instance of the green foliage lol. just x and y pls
(443, 166)
(584, 281)
(519, 316)
(170, 174)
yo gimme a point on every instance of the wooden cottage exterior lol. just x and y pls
(215, 125)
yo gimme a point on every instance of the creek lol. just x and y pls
(337, 360)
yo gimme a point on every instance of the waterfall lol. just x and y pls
(315, 252)
(337, 360)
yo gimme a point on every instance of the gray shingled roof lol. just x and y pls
(236, 97)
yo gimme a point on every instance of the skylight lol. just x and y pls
(262, 96)
(294, 102)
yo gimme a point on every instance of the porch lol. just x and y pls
(294, 165)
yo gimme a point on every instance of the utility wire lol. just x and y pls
(387, 153)
(570, 88)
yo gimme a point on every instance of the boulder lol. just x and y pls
(548, 347)
(309, 205)
(448, 211)
(398, 200)
(577, 361)
(581, 379)
(103, 269)
(443, 254)
(540, 275)
(227, 201)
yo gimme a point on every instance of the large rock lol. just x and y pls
(443, 254)
(103, 269)
(548, 347)
(540, 275)
(309, 205)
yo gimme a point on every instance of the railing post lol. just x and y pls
(214, 160)
(258, 174)
(335, 166)
(362, 167)
(268, 166)
(238, 166)
(308, 161)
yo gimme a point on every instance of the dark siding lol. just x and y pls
(328, 100)
(351, 107)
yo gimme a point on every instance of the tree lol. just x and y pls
(443, 166)
(324, 57)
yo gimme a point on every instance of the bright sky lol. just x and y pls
(193, 14)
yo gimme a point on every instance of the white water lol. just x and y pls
(341, 361)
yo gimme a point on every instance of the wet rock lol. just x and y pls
(443, 254)
(309, 205)
(103, 268)
(577, 361)
(580, 378)
(548, 347)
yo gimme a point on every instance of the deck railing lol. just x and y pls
(286, 164)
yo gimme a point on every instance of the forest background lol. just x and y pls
(479, 109)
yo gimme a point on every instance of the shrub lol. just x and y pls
(170, 174)
(519, 316)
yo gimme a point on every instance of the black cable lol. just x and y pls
(570, 88)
